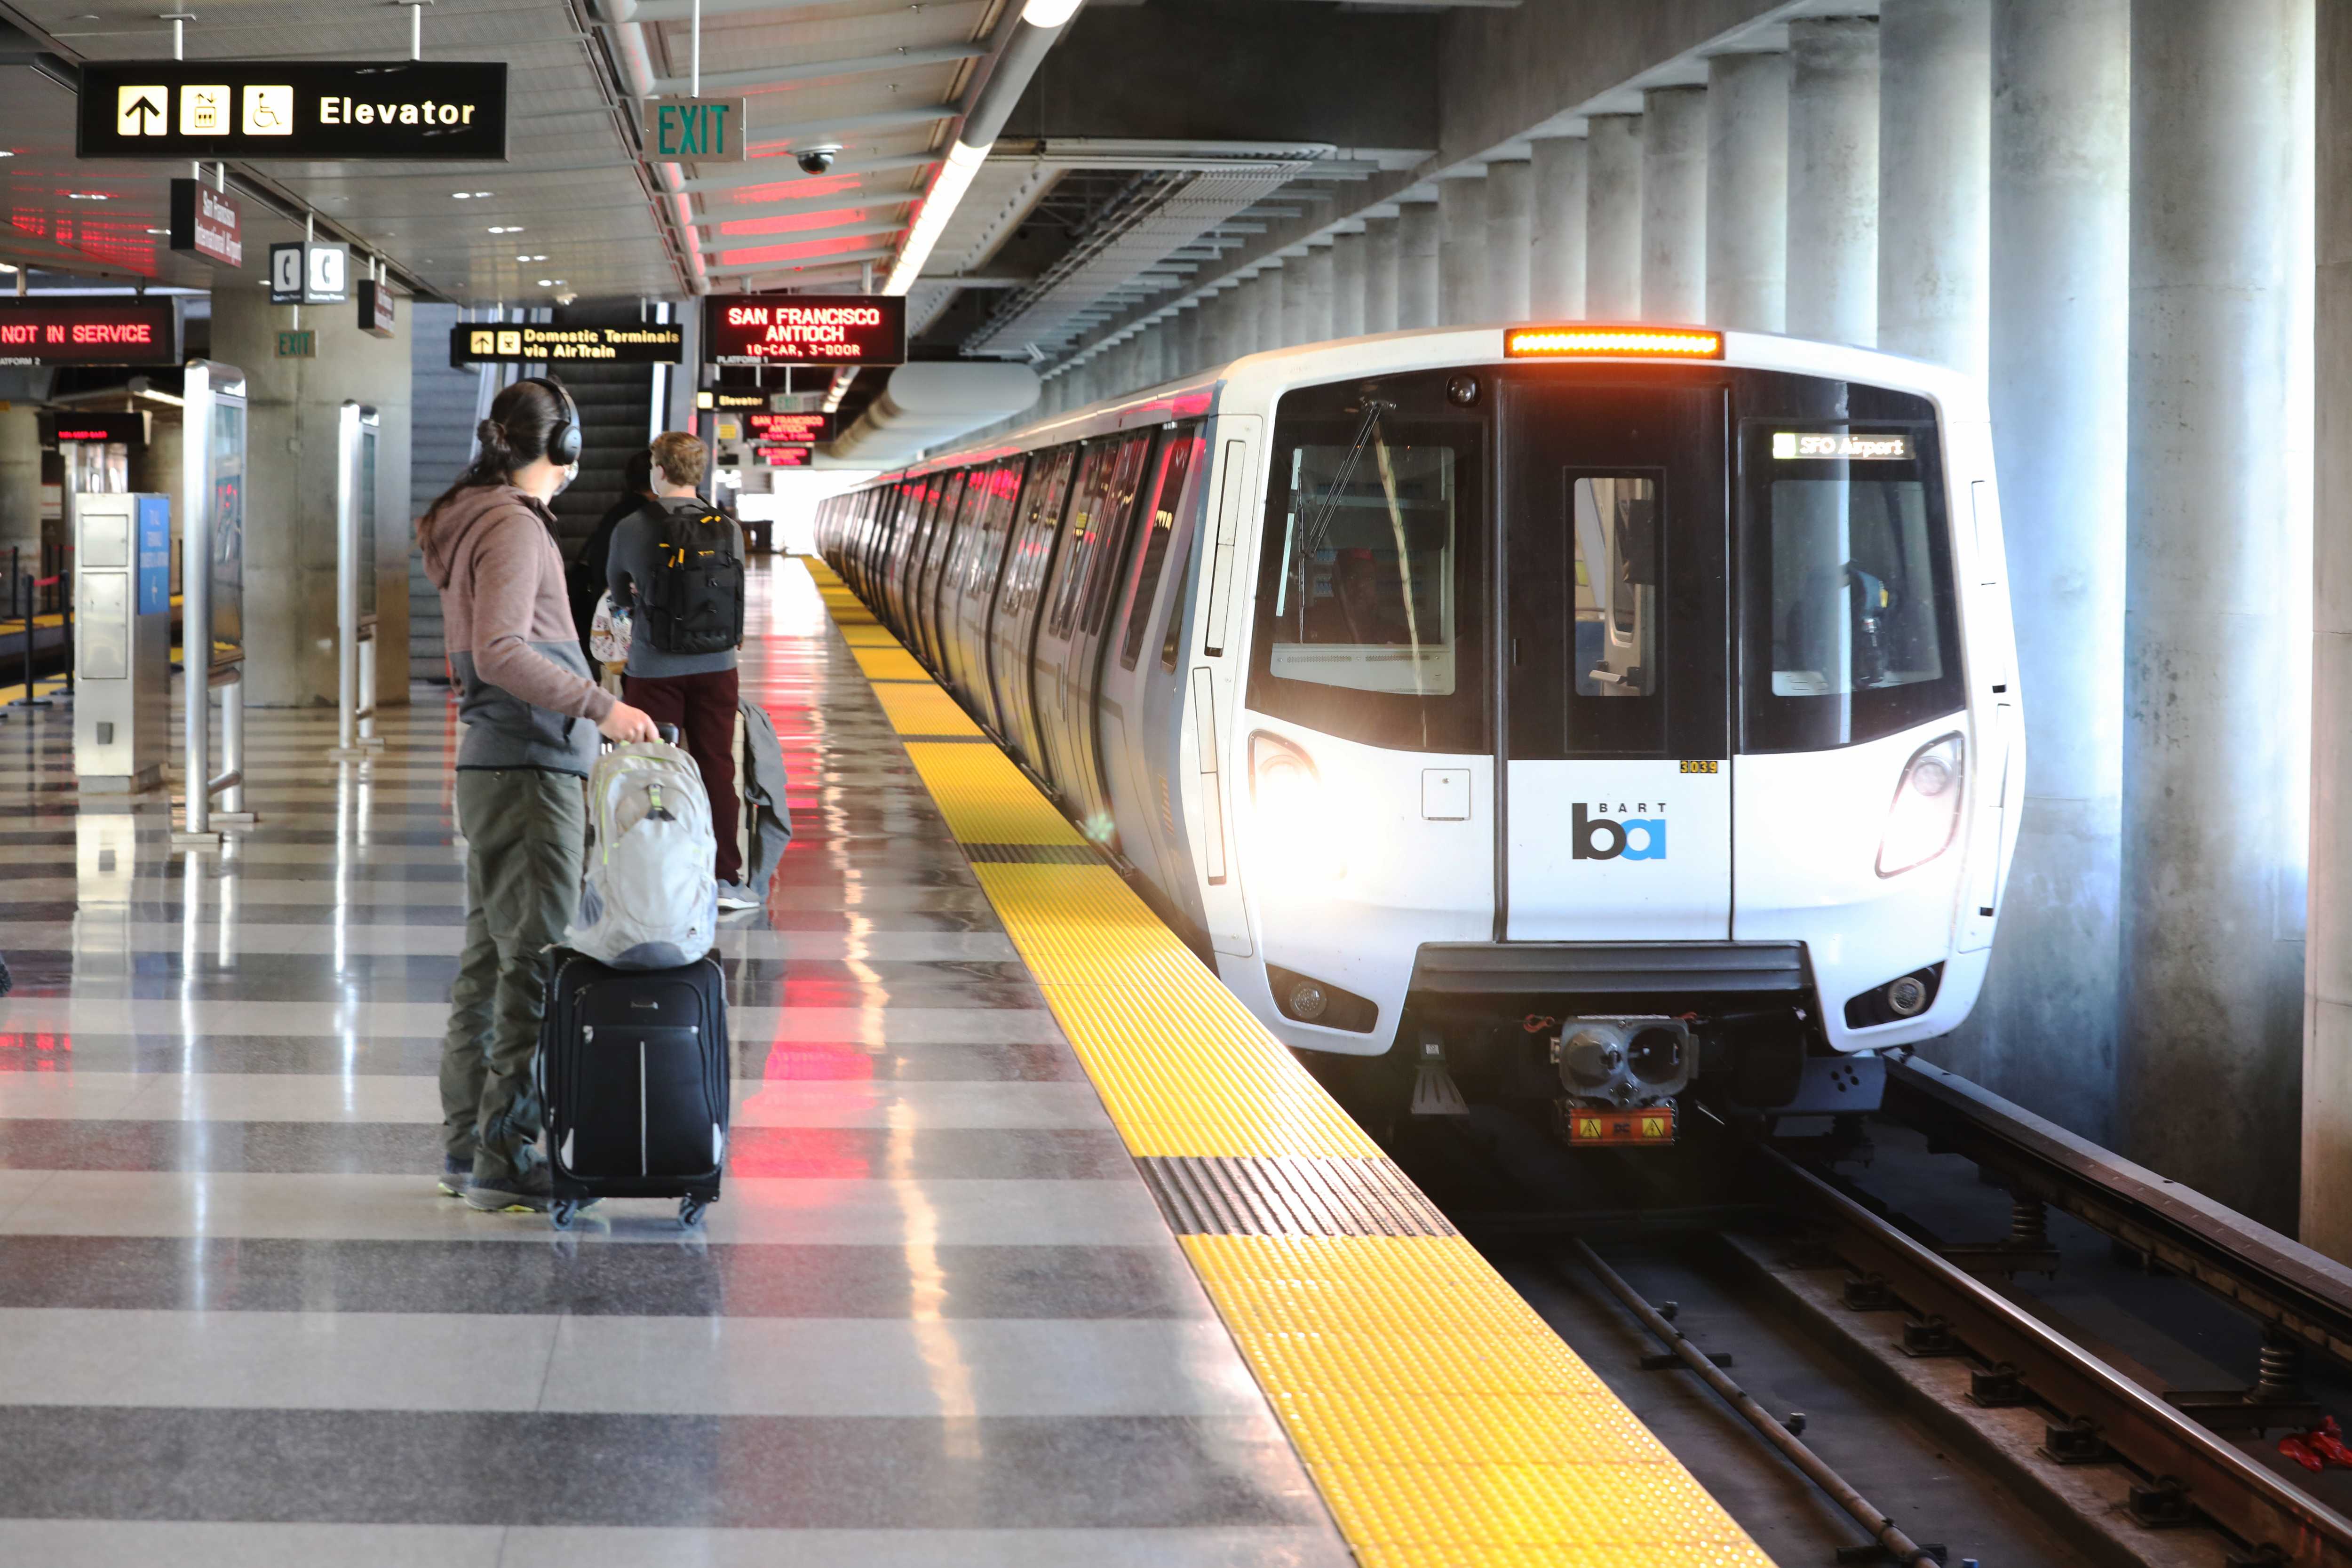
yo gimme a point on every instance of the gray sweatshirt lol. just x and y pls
(631, 563)
(527, 700)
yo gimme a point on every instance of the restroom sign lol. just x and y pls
(695, 131)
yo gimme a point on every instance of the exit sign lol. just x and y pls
(303, 345)
(695, 131)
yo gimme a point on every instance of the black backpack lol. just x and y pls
(695, 603)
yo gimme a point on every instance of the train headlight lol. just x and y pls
(1297, 829)
(1926, 811)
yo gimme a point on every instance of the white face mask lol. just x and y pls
(570, 473)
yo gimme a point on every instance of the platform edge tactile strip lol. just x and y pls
(1441, 1419)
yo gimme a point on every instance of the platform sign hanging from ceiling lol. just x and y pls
(527, 342)
(797, 429)
(88, 331)
(207, 223)
(695, 131)
(320, 110)
(805, 329)
(784, 456)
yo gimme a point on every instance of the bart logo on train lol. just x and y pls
(1607, 838)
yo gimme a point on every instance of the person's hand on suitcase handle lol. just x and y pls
(627, 724)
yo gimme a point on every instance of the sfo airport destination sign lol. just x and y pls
(326, 110)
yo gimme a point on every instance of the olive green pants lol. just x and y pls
(525, 832)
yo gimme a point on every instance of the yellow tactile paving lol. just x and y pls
(869, 633)
(1444, 1423)
(984, 797)
(889, 663)
(925, 710)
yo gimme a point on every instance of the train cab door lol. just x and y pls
(1616, 816)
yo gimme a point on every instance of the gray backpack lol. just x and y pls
(650, 901)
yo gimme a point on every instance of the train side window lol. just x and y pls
(1171, 640)
(1085, 527)
(1117, 515)
(1853, 631)
(1161, 525)
(1616, 563)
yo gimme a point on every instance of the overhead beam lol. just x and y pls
(758, 77)
(718, 244)
(842, 201)
(758, 269)
(778, 169)
(806, 131)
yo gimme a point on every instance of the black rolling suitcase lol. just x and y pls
(633, 1069)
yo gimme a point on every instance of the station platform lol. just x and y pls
(1035, 1248)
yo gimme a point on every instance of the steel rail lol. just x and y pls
(1900, 1547)
(2286, 1285)
(2213, 1477)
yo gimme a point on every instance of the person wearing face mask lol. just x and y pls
(533, 715)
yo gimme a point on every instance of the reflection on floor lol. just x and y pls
(935, 1318)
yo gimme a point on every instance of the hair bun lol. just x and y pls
(491, 434)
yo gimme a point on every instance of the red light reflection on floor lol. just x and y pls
(805, 1153)
(34, 1052)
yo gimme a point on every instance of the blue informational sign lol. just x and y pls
(154, 554)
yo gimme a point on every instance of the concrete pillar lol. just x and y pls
(1314, 320)
(1556, 254)
(1461, 251)
(1935, 151)
(1216, 329)
(1184, 328)
(1673, 204)
(2215, 607)
(1510, 239)
(1747, 191)
(20, 489)
(2061, 135)
(1417, 266)
(289, 501)
(1264, 310)
(2327, 974)
(1347, 260)
(1379, 275)
(1834, 179)
(1613, 219)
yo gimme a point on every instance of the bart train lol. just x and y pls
(1588, 714)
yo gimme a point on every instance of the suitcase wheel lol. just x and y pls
(690, 1210)
(561, 1211)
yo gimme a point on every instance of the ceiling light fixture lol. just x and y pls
(1050, 12)
(506, 228)
(159, 231)
(88, 197)
(466, 195)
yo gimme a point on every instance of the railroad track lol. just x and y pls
(2126, 1473)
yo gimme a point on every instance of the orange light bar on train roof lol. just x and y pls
(1605, 342)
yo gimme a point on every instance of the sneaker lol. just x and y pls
(526, 1194)
(455, 1174)
(735, 896)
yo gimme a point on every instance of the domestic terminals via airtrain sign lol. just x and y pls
(524, 342)
(805, 329)
(338, 111)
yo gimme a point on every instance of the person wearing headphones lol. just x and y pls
(532, 714)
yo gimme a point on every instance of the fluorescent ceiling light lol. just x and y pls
(1050, 12)
(947, 191)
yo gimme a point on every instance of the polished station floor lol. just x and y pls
(935, 1318)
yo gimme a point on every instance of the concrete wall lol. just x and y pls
(289, 530)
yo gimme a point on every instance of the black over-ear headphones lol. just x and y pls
(563, 435)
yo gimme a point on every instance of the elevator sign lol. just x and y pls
(323, 111)
(805, 329)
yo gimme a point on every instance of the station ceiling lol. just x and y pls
(1160, 145)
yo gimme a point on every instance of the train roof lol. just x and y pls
(1959, 397)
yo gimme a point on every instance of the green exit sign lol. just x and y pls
(695, 131)
(303, 345)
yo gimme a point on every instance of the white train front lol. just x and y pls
(1604, 712)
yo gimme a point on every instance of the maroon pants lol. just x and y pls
(703, 708)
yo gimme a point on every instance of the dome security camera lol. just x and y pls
(816, 160)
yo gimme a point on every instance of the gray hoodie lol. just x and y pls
(527, 698)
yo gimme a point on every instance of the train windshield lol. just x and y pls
(1367, 605)
(1853, 589)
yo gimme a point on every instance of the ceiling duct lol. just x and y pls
(1164, 211)
(929, 405)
